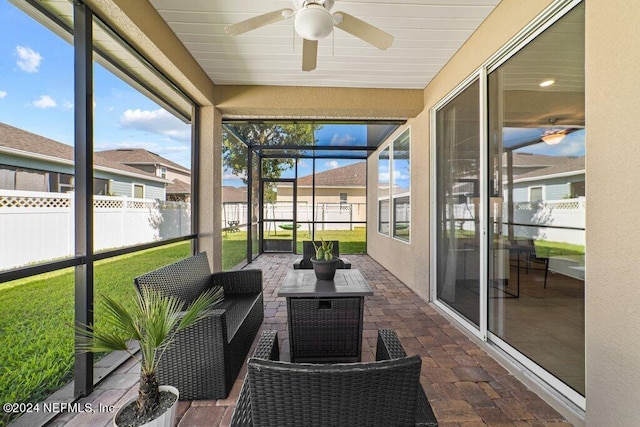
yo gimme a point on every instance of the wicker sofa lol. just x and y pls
(308, 252)
(382, 393)
(204, 359)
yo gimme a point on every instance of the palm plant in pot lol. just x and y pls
(324, 263)
(153, 321)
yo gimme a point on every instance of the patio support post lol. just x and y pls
(195, 175)
(83, 152)
(250, 212)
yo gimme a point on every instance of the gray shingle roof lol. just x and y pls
(232, 194)
(562, 165)
(178, 187)
(19, 139)
(132, 156)
(354, 175)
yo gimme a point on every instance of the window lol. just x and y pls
(383, 191)
(401, 186)
(343, 198)
(535, 194)
(163, 172)
(578, 189)
(394, 188)
(138, 191)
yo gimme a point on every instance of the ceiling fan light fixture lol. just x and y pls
(554, 137)
(313, 22)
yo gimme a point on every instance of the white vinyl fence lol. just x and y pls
(38, 226)
(544, 220)
(346, 213)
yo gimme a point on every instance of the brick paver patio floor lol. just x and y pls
(465, 386)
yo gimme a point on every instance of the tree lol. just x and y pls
(234, 153)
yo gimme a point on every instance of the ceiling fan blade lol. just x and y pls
(258, 21)
(362, 30)
(309, 54)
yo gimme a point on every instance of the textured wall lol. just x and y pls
(613, 156)
(317, 102)
(409, 262)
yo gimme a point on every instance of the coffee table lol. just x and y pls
(325, 316)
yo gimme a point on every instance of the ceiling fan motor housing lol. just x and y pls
(313, 22)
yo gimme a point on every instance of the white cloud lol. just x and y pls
(383, 177)
(28, 59)
(158, 122)
(342, 139)
(333, 164)
(45, 101)
(67, 105)
(2, 94)
(302, 163)
(230, 176)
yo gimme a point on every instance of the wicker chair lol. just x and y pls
(204, 360)
(382, 393)
(308, 252)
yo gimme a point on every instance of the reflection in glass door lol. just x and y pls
(279, 224)
(524, 285)
(458, 204)
(537, 165)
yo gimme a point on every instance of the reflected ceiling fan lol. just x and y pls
(314, 21)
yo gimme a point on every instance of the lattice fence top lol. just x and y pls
(108, 204)
(140, 205)
(57, 200)
(34, 202)
(568, 204)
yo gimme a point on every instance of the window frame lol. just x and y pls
(397, 196)
(387, 198)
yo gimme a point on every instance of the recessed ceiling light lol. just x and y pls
(547, 83)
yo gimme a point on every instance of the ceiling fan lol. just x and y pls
(314, 21)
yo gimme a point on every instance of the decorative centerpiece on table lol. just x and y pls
(324, 263)
(153, 321)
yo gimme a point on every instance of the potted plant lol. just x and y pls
(324, 263)
(153, 321)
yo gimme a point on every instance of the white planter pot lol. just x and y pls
(166, 419)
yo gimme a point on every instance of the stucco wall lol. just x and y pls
(613, 155)
(409, 262)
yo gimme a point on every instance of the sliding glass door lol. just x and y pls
(536, 160)
(458, 203)
(510, 148)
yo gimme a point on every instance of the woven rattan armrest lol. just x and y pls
(389, 347)
(344, 263)
(266, 349)
(238, 281)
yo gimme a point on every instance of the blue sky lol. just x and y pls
(36, 94)
(327, 135)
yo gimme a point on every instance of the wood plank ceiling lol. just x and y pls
(427, 34)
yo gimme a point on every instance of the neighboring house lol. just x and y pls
(346, 185)
(232, 194)
(30, 162)
(234, 207)
(552, 178)
(180, 187)
(536, 177)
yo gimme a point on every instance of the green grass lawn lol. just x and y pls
(234, 245)
(36, 314)
(36, 321)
